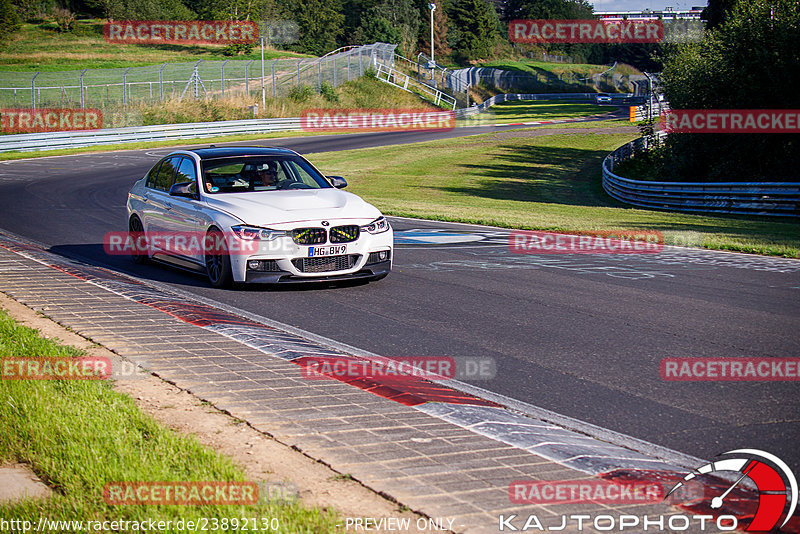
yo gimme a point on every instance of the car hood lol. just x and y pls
(271, 208)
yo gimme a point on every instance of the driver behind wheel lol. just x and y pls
(266, 174)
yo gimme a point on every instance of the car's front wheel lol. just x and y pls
(136, 230)
(218, 261)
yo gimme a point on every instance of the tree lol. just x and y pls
(751, 61)
(403, 15)
(558, 10)
(9, 20)
(474, 29)
(257, 10)
(378, 29)
(546, 9)
(143, 9)
(440, 29)
(355, 13)
(717, 12)
(321, 24)
(33, 10)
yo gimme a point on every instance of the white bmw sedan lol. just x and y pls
(254, 214)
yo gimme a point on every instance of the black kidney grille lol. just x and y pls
(325, 263)
(344, 234)
(309, 236)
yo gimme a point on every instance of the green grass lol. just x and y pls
(540, 110)
(610, 123)
(39, 47)
(80, 435)
(544, 183)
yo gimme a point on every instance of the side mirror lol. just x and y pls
(338, 182)
(183, 189)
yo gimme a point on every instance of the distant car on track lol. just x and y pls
(267, 215)
(602, 98)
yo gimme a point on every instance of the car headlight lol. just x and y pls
(249, 233)
(378, 226)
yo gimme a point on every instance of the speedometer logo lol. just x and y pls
(774, 481)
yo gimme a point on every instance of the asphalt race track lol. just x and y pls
(581, 335)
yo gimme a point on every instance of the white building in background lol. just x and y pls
(668, 13)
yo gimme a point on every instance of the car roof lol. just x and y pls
(213, 152)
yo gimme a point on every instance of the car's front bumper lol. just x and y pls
(291, 263)
(369, 272)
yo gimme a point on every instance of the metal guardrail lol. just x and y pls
(162, 132)
(648, 111)
(779, 199)
(405, 82)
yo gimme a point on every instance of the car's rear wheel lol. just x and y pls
(218, 261)
(135, 230)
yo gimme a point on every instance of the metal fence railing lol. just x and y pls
(412, 85)
(780, 199)
(434, 75)
(114, 88)
(539, 82)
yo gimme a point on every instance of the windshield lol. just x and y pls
(242, 174)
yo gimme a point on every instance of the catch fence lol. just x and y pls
(114, 88)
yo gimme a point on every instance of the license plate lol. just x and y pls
(331, 250)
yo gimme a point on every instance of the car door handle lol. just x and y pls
(167, 205)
